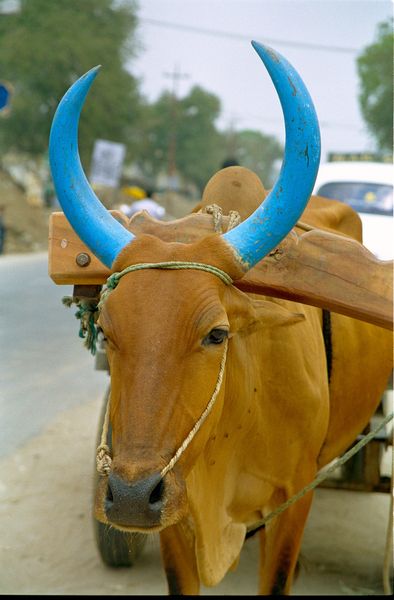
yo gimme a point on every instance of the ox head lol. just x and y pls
(168, 331)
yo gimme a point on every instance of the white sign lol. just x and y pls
(107, 163)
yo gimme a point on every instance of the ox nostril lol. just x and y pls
(157, 493)
(109, 498)
(139, 503)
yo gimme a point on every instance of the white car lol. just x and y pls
(368, 188)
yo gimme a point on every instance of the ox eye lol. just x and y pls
(215, 336)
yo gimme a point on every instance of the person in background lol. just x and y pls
(143, 201)
(230, 162)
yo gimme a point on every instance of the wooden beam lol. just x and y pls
(319, 267)
(328, 271)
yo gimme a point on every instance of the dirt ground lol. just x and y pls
(47, 541)
(27, 224)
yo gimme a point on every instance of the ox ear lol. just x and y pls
(248, 314)
(271, 314)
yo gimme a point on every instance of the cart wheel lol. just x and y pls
(117, 548)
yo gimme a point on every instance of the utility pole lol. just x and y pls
(231, 138)
(175, 76)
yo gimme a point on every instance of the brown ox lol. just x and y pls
(183, 341)
(277, 420)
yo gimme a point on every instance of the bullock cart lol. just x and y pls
(335, 287)
(261, 351)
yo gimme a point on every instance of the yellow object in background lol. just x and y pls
(134, 192)
(370, 197)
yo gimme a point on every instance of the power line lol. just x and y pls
(238, 36)
(323, 123)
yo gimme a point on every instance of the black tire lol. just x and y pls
(116, 548)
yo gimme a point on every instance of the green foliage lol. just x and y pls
(198, 140)
(187, 128)
(258, 152)
(375, 69)
(183, 133)
(45, 47)
(48, 44)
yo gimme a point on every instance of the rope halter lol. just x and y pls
(103, 452)
(114, 279)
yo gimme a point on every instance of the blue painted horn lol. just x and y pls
(255, 237)
(252, 239)
(93, 223)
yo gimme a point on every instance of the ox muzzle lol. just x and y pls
(137, 504)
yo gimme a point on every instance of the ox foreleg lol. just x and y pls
(280, 544)
(179, 560)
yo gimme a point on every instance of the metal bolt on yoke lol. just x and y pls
(83, 259)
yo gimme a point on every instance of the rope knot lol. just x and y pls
(112, 281)
(103, 459)
(217, 214)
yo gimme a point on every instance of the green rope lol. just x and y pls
(171, 264)
(113, 279)
(87, 314)
(323, 475)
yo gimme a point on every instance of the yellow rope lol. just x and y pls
(201, 420)
(323, 475)
(103, 453)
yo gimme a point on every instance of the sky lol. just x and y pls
(207, 43)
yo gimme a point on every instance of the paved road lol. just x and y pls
(44, 367)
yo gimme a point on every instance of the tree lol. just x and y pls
(181, 133)
(375, 69)
(198, 140)
(200, 149)
(257, 152)
(45, 47)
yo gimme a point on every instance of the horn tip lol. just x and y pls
(258, 45)
(91, 74)
(95, 69)
(266, 52)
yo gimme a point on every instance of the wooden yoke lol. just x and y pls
(328, 271)
(319, 267)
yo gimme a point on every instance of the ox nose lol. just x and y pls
(136, 504)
